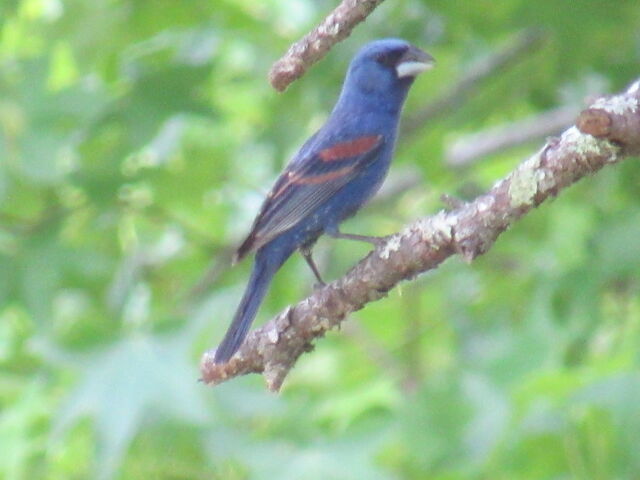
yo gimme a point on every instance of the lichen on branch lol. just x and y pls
(469, 230)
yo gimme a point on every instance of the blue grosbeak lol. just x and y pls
(335, 172)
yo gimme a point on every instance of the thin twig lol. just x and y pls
(527, 42)
(469, 230)
(470, 148)
(315, 45)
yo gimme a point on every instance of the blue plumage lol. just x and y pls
(335, 172)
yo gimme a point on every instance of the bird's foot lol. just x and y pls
(376, 241)
(451, 202)
(319, 286)
(380, 241)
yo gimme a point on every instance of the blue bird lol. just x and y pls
(335, 172)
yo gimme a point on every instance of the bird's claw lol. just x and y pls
(451, 201)
(319, 286)
(380, 241)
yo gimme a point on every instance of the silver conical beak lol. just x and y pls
(414, 62)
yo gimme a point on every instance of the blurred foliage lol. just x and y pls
(136, 141)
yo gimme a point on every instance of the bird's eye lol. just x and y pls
(388, 59)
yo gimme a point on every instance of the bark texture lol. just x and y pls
(605, 133)
(315, 45)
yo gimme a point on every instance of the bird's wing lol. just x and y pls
(306, 184)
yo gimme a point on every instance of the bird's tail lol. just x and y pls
(265, 266)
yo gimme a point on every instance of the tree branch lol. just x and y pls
(469, 230)
(315, 45)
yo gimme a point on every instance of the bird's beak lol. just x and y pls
(413, 62)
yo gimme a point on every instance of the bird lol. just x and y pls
(333, 174)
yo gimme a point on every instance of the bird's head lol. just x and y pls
(386, 66)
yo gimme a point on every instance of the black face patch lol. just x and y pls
(389, 58)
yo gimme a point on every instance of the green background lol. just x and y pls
(137, 139)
